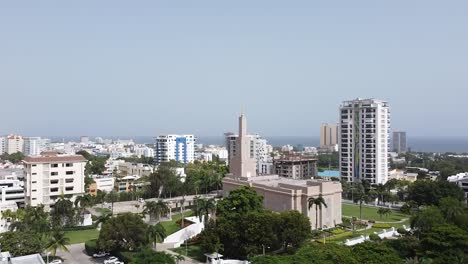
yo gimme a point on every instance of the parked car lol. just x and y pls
(56, 261)
(141, 200)
(100, 254)
(111, 260)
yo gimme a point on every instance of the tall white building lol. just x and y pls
(180, 148)
(33, 146)
(50, 175)
(399, 141)
(259, 150)
(364, 140)
(13, 144)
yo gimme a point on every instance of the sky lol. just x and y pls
(144, 68)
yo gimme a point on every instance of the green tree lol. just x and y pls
(375, 253)
(205, 208)
(426, 219)
(451, 208)
(57, 240)
(63, 212)
(123, 232)
(240, 201)
(21, 243)
(155, 210)
(294, 229)
(445, 238)
(383, 211)
(427, 192)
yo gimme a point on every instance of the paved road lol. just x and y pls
(77, 255)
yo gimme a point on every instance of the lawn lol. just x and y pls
(370, 213)
(80, 236)
(194, 252)
(171, 226)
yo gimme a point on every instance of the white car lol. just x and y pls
(100, 254)
(56, 261)
(141, 200)
(111, 260)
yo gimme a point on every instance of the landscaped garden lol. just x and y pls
(371, 213)
(80, 236)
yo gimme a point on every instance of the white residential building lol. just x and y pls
(399, 141)
(461, 179)
(33, 146)
(2, 145)
(13, 144)
(364, 140)
(103, 183)
(11, 190)
(180, 148)
(259, 150)
(143, 151)
(50, 175)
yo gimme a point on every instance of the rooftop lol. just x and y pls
(52, 156)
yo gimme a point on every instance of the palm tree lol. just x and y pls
(58, 240)
(380, 189)
(155, 209)
(318, 202)
(102, 219)
(204, 208)
(381, 212)
(361, 197)
(178, 258)
(156, 233)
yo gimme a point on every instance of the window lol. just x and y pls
(54, 181)
(34, 198)
(34, 173)
(68, 188)
(34, 190)
(34, 182)
(54, 173)
(69, 180)
(53, 189)
(68, 164)
(69, 173)
(34, 165)
(54, 165)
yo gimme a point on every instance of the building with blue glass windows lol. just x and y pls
(180, 148)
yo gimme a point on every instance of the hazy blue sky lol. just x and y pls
(123, 68)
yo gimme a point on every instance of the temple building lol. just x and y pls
(279, 193)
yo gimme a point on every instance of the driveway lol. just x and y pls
(77, 255)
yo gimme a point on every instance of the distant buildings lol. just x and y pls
(29, 146)
(296, 166)
(135, 169)
(282, 194)
(180, 148)
(33, 146)
(101, 183)
(461, 179)
(402, 175)
(11, 190)
(258, 150)
(50, 175)
(399, 142)
(2, 145)
(329, 137)
(364, 138)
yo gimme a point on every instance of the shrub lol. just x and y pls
(381, 225)
(91, 247)
(75, 228)
(374, 237)
(402, 231)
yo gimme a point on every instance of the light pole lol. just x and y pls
(48, 253)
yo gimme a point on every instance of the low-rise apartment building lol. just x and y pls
(102, 183)
(50, 175)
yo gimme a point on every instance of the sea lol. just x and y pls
(421, 144)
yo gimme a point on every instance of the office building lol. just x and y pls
(282, 194)
(259, 150)
(399, 142)
(296, 166)
(13, 144)
(364, 139)
(51, 174)
(329, 137)
(2, 145)
(180, 148)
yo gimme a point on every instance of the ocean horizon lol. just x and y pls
(417, 144)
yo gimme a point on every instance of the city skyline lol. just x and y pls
(168, 67)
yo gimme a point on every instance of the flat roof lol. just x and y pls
(49, 159)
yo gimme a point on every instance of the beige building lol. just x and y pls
(13, 144)
(329, 136)
(283, 194)
(50, 175)
(296, 166)
(139, 169)
(402, 175)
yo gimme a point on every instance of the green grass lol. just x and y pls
(171, 226)
(370, 213)
(80, 236)
(194, 252)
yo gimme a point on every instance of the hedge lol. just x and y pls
(381, 225)
(75, 228)
(91, 247)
